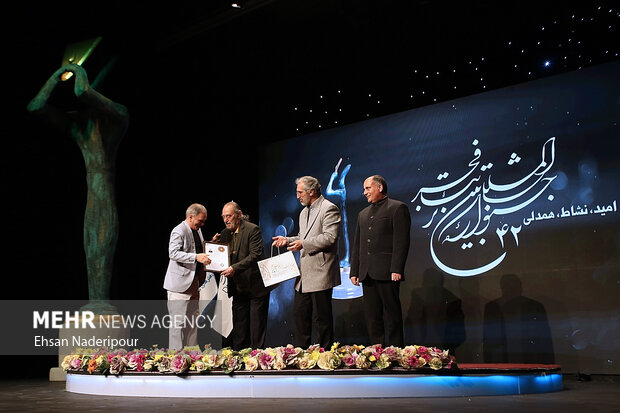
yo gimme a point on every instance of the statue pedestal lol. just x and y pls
(110, 328)
(346, 290)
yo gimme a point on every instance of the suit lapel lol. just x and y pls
(303, 222)
(190, 236)
(314, 213)
(239, 239)
(201, 237)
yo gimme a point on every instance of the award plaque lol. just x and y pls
(218, 254)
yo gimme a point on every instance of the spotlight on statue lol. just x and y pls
(77, 53)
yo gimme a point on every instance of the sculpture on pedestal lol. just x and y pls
(97, 125)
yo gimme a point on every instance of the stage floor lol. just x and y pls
(599, 393)
(468, 380)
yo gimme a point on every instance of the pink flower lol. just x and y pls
(349, 360)
(417, 362)
(265, 361)
(195, 355)
(394, 353)
(232, 364)
(163, 365)
(288, 354)
(76, 363)
(117, 364)
(136, 361)
(375, 350)
(180, 363)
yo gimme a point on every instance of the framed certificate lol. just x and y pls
(218, 253)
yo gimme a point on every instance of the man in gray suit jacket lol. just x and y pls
(185, 274)
(317, 242)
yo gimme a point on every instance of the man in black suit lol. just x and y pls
(378, 260)
(250, 297)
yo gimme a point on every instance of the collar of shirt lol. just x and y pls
(379, 203)
(314, 205)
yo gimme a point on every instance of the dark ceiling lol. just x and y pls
(244, 70)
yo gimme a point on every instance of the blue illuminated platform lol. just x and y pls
(467, 380)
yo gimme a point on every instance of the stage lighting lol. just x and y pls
(77, 53)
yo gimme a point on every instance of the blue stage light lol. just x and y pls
(307, 386)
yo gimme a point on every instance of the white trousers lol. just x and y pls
(183, 310)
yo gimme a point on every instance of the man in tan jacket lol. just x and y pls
(319, 224)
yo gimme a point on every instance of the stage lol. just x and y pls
(467, 380)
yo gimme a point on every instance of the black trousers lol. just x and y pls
(383, 313)
(309, 307)
(249, 321)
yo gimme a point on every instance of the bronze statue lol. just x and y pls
(97, 125)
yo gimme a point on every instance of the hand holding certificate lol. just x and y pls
(218, 254)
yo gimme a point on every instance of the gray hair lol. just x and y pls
(310, 183)
(381, 181)
(237, 208)
(195, 209)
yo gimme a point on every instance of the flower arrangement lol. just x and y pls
(192, 359)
